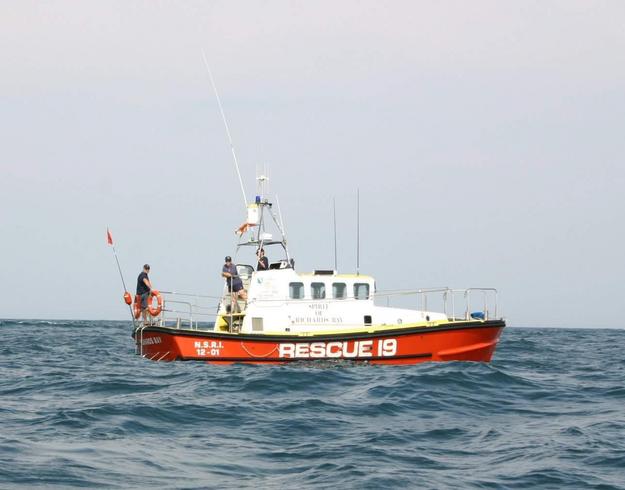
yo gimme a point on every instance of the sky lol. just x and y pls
(485, 138)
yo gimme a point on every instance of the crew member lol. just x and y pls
(235, 285)
(144, 286)
(263, 262)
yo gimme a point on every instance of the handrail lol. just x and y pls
(191, 313)
(449, 299)
(176, 293)
(484, 292)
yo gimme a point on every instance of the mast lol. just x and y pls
(256, 218)
(261, 183)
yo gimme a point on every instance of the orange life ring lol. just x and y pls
(137, 306)
(159, 303)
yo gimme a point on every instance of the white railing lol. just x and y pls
(457, 304)
(189, 311)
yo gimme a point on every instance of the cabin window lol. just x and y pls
(296, 290)
(339, 290)
(318, 290)
(361, 290)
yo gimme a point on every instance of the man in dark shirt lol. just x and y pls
(144, 286)
(235, 285)
(263, 262)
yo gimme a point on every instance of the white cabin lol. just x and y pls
(281, 300)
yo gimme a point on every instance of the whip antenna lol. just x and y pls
(336, 267)
(223, 116)
(282, 228)
(358, 231)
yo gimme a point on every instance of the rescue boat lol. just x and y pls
(323, 315)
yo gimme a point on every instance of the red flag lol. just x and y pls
(109, 237)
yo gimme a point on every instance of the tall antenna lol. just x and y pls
(336, 267)
(223, 116)
(281, 228)
(358, 231)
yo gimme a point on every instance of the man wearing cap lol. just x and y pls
(144, 286)
(235, 285)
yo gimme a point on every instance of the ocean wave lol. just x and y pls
(79, 408)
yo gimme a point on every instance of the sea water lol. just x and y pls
(79, 409)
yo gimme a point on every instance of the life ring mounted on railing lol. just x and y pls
(153, 311)
(159, 303)
(136, 307)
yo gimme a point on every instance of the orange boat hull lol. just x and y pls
(458, 341)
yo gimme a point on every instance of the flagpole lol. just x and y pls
(109, 239)
(119, 269)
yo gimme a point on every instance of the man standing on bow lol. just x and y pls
(144, 286)
(235, 285)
